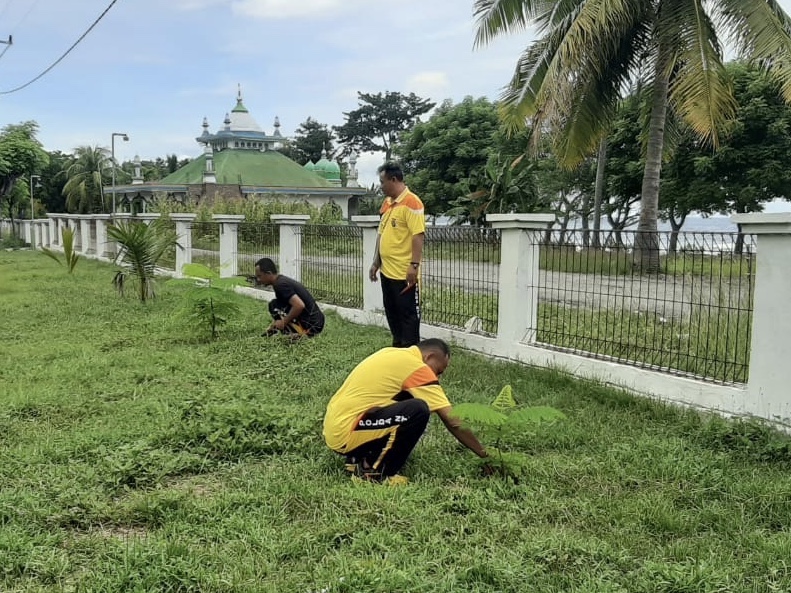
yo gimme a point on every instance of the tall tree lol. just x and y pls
(53, 178)
(85, 178)
(377, 124)
(570, 79)
(442, 154)
(21, 155)
(310, 139)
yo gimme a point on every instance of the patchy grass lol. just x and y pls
(136, 457)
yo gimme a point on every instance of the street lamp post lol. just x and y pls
(37, 178)
(112, 156)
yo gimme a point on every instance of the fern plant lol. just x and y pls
(141, 246)
(500, 422)
(70, 256)
(211, 300)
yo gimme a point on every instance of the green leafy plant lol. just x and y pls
(501, 421)
(70, 256)
(211, 300)
(141, 246)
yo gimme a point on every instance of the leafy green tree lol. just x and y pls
(570, 79)
(751, 167)
(21, 155)
(624, 166)
(568, 191)
(86, 175)
(310, 139)
(684, 188)
(507, 185)
(380, 119)
(442, 154)
(53, 178)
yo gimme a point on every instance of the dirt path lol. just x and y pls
(664, 296)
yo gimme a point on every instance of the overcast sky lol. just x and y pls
(155, 68)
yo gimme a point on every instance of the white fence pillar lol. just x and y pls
(71, 221)
(290, 243)
(372, 292)
(517, 309)
(42, 226)
(229, 233)
(86, 244)
(54, 230)
(184, 233)
(104, 248)
(770, 371)
(36, 234)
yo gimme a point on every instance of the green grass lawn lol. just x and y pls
(137, 456)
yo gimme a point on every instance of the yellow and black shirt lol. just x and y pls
(401, 219)
(376, 382)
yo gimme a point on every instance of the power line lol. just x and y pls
(66, 53)
(8, 44)
(19, 22)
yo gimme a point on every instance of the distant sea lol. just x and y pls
(693, 224)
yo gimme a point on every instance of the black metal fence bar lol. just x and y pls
(691, 316)
(256, 240)
(460, 278)
(206, 244)
(331, 263)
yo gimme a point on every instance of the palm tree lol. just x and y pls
(588, 51)
(141, 246)
(85, 174)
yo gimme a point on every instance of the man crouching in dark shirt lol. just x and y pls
(294, 310)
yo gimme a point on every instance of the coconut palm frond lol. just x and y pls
(761, 31)
(497, 17)
(699, 90)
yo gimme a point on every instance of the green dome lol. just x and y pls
(309, 166)
(327, 169)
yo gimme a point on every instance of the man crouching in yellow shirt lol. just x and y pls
(380, 412)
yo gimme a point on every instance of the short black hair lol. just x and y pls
(392, 170)
(266, 265)
(434, 344)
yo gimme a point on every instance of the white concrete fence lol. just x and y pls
(766, 395)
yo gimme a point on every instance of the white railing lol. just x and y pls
(765, 395)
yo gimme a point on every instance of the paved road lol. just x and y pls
(663, 296)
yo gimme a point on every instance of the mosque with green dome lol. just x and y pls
(240, 160)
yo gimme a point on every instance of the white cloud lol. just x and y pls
(428, 83)
(189, 5)
(285, 9)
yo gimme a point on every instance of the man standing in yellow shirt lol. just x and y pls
(398, 253)
(380, 412)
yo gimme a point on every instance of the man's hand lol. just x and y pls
(279, 325)
(372, 273)
(411, 276)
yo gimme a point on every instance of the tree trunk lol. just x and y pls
(738, 246)
(675, 227)
(646, 243)
(598, 195)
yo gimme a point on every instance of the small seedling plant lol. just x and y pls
(502, 423)
(70, 256)
(210, 301)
